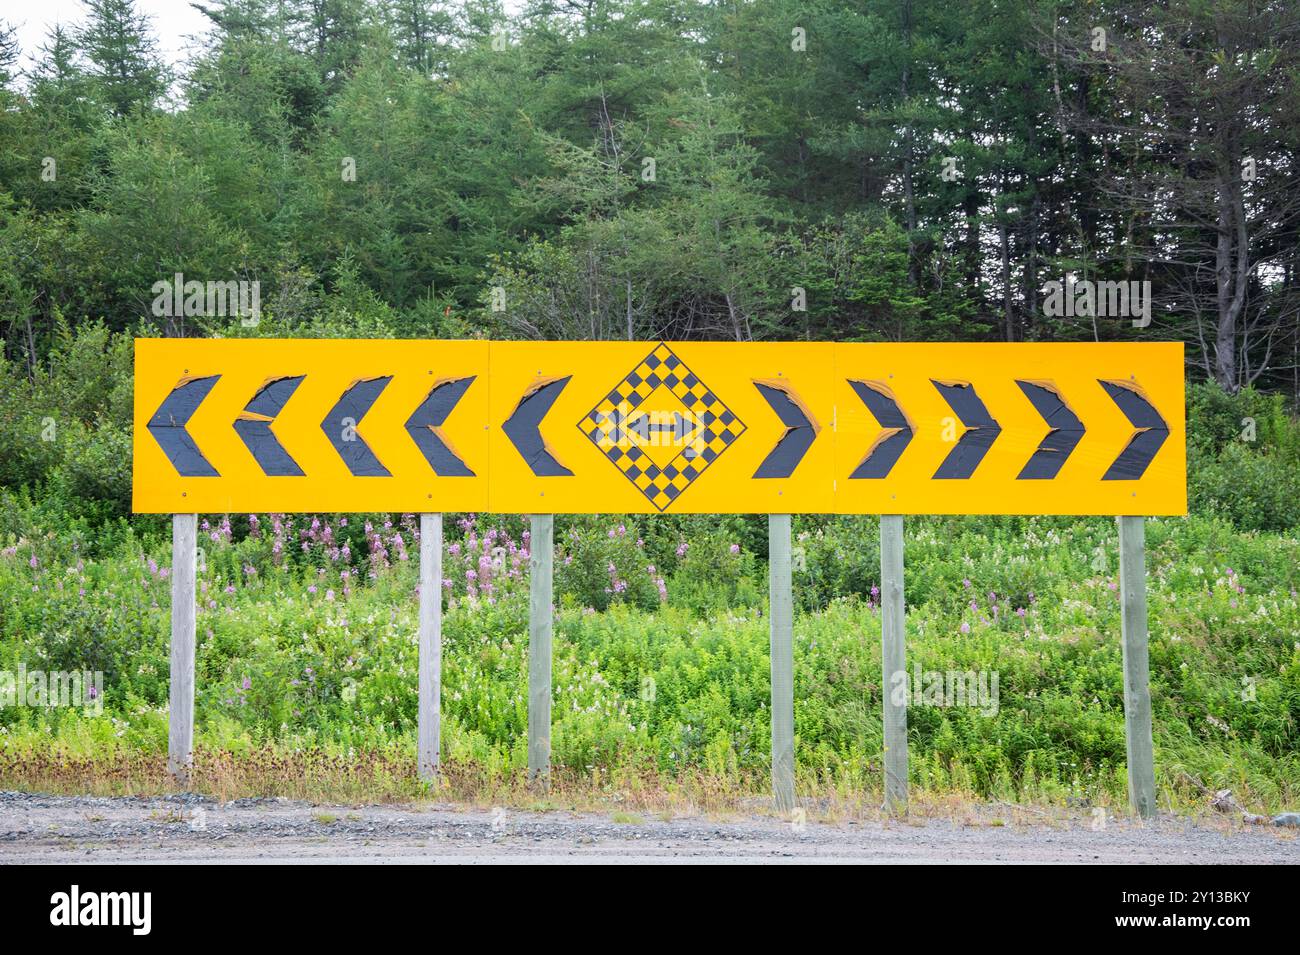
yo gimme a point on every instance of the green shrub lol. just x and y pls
(1243, 458)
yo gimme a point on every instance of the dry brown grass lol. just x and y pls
(377, 778)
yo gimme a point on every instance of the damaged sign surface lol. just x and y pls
(270, 426)
(658, 427)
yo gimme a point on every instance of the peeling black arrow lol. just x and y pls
(254, 427)
(168, 427)
(1152, 432)
(800, 432)
(523, 428)
(428, 418)
(340, 426)
(1067, 431)
(974, 443)
(885, 452)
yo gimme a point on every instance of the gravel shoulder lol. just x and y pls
(187, 828)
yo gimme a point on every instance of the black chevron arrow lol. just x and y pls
(523, 428)
(1067, 431)
(340, 426)
(800, 432)
(168, 427)
(254, 427)
(428, 418)
(1152, 432)
(974, 443)
(885, 452)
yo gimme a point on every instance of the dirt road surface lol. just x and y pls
(194, 829)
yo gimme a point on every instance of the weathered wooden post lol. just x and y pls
(893, 657)
(781, 623)
(430, 718)
(1137, 688)
(540, 614)
(180, 719)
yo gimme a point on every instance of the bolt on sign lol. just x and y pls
(659, 427)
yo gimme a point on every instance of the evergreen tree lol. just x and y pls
(10, 51)
(126, 70)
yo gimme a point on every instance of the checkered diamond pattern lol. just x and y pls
(644, 389)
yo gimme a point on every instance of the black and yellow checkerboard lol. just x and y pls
(714, 428)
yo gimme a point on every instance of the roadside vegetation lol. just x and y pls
(307, 650)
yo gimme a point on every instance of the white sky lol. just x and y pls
(174, 22)
(177, 26)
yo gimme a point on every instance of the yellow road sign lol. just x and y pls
(1012, 428)
(288, 425)
(656, 427)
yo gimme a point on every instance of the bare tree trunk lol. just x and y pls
(1008, 309)
(909, 198)
(1231, 265)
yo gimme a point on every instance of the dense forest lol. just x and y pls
(767, 169)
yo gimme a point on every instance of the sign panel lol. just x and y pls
(698, 427)
(268, 426)
(659, 427)
(1010, 429)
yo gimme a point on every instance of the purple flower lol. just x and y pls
(735, 548)
(965, 627)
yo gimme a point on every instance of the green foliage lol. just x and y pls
(1243, 458)
(596, 567)
(307, 638)
(651, 169)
